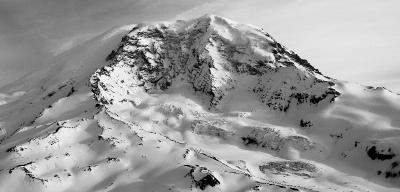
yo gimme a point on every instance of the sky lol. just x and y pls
(353, 40)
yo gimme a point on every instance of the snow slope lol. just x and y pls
(200, 105)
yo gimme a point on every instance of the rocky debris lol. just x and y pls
(171, 110)
(298, 168)
(202, 177)
(271, 139)
(202, 127)
(263, 137)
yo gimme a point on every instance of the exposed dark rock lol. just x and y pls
(111, 55)
(72, 91)
(12, 149)
(374, 154)
(337, 137)
(27, 172)
(395, 164)
(202, 177)
(250, 141)
(304, 123)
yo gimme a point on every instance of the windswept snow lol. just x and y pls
(201, 105)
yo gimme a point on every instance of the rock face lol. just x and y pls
(201, 105)
(213, 56)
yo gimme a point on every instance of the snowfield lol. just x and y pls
(201, 105)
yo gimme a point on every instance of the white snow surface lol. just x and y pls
(201, 105)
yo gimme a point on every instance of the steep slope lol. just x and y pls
(200, 105)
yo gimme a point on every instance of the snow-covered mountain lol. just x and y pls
(200, 105)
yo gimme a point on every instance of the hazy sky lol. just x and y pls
(33, 30)
(356, 40)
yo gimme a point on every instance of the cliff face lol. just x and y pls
(200, 105)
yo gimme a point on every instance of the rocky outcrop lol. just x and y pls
(299, 168)
(202, 177)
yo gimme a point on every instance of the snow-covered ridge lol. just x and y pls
(201, 105)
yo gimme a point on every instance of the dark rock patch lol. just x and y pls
(202, 177)
(373, 153)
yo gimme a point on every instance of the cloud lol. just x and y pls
(8, 98)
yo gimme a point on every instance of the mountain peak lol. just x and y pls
(212, 55)
(206, 104)
(215, 19)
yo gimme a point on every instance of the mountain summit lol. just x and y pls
(201, 105)
(214, 57)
